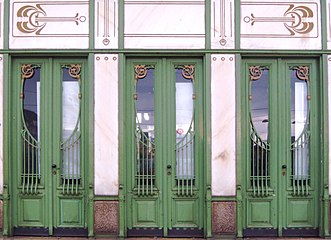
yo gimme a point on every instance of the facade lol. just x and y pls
(199, 118)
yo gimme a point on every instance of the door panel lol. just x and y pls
(165, 164)
(281, 147)
(49, 171)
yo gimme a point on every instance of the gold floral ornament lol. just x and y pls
(255, 72)
(302, 72)
(27, 71)
(140, 71)
(74, 71)
(188, 72)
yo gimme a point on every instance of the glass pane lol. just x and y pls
(184, 126)
(31, 103)
(260, 105)
(144, 135)
(299, 127)
(31, 128)
(70, 126)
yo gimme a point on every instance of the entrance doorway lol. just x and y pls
(164, 142)
(47, 147)
(281, 147)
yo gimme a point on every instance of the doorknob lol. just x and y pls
(54, 168)
(53, 165)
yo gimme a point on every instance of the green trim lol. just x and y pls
(89, 89)
(237, 24)
(105, 198)
(122, 150)
(207, 142)
(324, 25)
(121, 24)
(208, 24)
(239, 154)
(325, 145)
(91, 22)
(7, 222)
(224, 199)
(6, 24)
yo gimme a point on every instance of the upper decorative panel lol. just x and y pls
(222, 24)
(106, 24)
(164, 24)
(49, 24)
(280, 24)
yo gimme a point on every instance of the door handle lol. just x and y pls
(54, 168)
(53, 165)
(284, 166)
(169, 169)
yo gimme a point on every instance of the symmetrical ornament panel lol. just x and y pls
(164, 24)
(222, 24)
(49, 24)
(295, 24)
(106, 24)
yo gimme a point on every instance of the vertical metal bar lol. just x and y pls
(253, 166)
(28, 180)
(182, 167)
(152, 167)
(262, 167)
(32, 166)
(186, 164)
(193, 161)
(78, 167)
(24, 162)
(143, 175)
(147, 166)
(297, 169)
(177, 169)
(37, 168)
(258, 166)
(137, 170)
(266, 168)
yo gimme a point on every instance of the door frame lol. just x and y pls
(87, 90)
(206, 178)
(322, 121)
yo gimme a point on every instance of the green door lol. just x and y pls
(281, 147)
(164, 139)
(47, 157)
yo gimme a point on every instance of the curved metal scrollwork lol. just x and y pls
(140, 71)
(30, 176)
(188, 71)
(74, 71)
(255, 72)
(302, 72)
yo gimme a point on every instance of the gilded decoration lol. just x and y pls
(27, 71)
(33, 19)
(188, 71)
(74, 70)
(140, 71)
(302, 72)
(255, 72)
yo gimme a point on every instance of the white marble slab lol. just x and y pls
(222, 24)
(106, 24)
(49, 24)
(106, 124)
(271, 24)
(223, 114)
(164, 24)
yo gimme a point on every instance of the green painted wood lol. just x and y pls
(167, 205)
(51, 202)
(281, 203)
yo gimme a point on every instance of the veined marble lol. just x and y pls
(222, 24)
(49, 24)
(106, 24)
(287, 24)
(164, 24)
(106, 124)
(223, 117)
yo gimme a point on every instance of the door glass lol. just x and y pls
(300, 125)
(145, 145)
(71, 126)
(30, 96)
(260, 147)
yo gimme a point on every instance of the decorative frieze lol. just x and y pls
(222, 24)
(106, 24)
(49, 24)
(280, 24)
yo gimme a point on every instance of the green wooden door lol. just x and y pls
(48, 131)
(164, 134)
(281, 147)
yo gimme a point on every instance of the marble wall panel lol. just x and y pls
(222, 24)
(49, 24)
(106, 24)
(224, 217)
(106, 124)
(164, 24)
(284, 24)
(1, 23)
(223, 113)
(105, 217)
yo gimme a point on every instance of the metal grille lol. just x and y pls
(70, 147)
(260, 172)
(145, 176)
(185, 164)
(30, 176)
